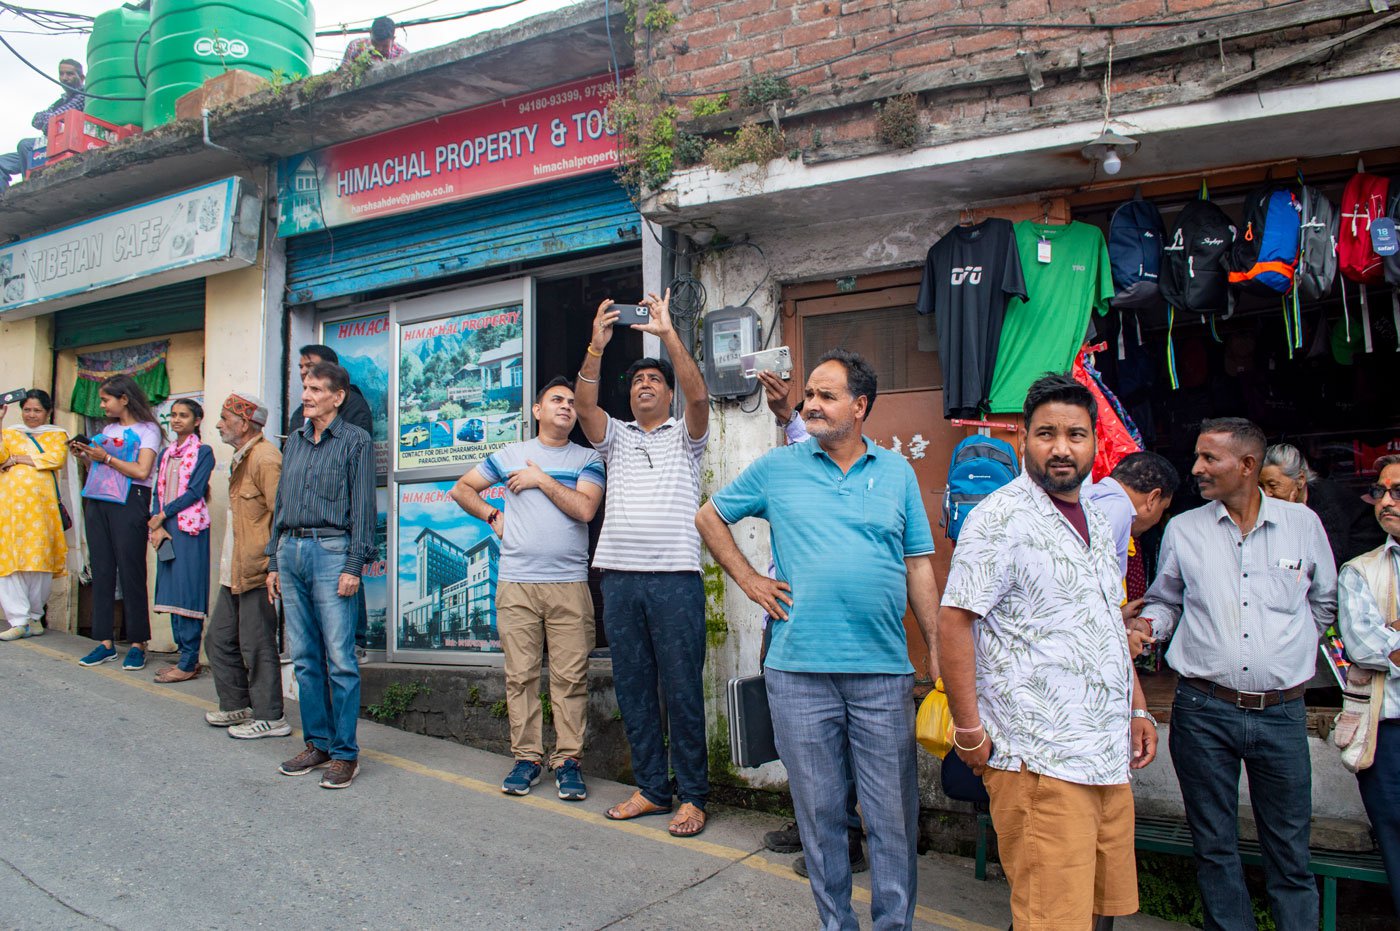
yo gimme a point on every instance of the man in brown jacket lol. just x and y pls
(241, 639)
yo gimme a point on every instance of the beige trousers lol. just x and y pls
(530, 615)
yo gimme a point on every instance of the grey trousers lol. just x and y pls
(241, 642)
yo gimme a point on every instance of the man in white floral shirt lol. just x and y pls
(1035, 661)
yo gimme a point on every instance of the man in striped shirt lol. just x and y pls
(322, 534)
(70, 75)
(1248, 584)
(649, 551)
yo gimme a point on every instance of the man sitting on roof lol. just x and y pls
(380, 46)
(70, 74)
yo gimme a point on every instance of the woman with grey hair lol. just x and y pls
(1286, 475)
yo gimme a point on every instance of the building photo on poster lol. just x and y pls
(461, 387)
(375, 578)
(447, 569)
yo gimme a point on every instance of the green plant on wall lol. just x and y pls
(709, 106)
(396, 700)
(655, 15)
(897, 121)
(646, 135)
(764, 88)
(754, 143)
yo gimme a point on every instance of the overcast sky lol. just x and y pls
(26, 92)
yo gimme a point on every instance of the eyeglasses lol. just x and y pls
(1378, 493)
(643, 451)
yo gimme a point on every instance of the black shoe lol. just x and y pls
(786, 840)
(859, 863)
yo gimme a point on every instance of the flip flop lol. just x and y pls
(687, 816)
(637, 806)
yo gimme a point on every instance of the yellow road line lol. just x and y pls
(737, 855)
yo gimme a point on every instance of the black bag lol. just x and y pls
(1135, 237)
(751, 740)
(63, 515)
(1196, 260)
(959, 784)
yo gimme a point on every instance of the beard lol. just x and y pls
(1042, 477)
(822, 429)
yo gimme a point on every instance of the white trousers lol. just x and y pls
(23, 596)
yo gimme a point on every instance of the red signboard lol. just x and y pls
(538, 137)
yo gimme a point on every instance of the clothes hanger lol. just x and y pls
(967, 217)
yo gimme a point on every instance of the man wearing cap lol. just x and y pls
(242, 638)
(380, 46)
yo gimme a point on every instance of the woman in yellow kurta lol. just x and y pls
(32, 547)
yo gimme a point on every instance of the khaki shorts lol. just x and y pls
(1067, 849)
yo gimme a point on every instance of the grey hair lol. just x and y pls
(1289, 461)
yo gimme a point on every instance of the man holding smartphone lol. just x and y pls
(649, 551)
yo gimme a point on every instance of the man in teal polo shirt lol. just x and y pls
(851, 543)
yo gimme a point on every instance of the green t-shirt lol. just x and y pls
(1043, 334)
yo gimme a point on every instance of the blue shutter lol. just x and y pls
(516, 226)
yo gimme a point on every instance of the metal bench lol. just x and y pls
(1169, 836)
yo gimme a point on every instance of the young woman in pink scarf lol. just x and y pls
(179, 528)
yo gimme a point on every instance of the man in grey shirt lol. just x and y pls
(552, 489)
(1247, 583)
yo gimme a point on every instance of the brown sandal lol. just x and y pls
(636, 807)
(688, 822)
(176, 674)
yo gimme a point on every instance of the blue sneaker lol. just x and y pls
(568, 776)
(100, 654)
(522, 777)
(135, 659)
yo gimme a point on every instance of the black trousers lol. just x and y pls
(241, 642)
(117, 537)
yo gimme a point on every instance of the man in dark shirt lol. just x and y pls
(322, 534)
(70, 75)
(355, 410)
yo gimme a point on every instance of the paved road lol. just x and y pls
(122, 809)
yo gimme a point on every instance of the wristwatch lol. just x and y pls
(1144, 713)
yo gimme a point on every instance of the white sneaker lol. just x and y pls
(254, 729)
(18, 632)
(228, 718)
(36, 629)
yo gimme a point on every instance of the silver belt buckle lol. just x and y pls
(1251, 701)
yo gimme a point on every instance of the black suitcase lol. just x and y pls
(750, 723)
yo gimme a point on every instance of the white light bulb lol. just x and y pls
(1112, 164)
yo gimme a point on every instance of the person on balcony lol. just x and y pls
(70, 75)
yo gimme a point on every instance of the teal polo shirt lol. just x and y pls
(840, 542)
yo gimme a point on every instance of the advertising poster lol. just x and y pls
(375, 577)
(461, 387)
(447, 570)
(545, 135)
(362, 343)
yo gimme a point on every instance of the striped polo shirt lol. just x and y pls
(653, 493)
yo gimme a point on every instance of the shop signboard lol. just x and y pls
(176, 238)
(447, 571)
(542, 136)
(362, 344)
(461, 387)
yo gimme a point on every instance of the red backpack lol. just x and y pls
(1363, 200)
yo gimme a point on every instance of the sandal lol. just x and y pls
(176, 674)
(688, 822)
(636, 807)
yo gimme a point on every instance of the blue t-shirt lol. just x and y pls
(840, 542)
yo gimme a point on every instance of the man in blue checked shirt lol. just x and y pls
(70, 75)
(838, 671)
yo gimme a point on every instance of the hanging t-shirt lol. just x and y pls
(1066, 279)
(969, 275)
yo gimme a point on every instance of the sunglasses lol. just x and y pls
(1378, 493)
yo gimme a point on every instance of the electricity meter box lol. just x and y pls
(730, 333)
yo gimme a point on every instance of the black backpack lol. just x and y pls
(1135, 237)
(1196, 261)
(1317, 238)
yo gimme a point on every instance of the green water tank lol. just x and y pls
(112, 59)
(194, 40)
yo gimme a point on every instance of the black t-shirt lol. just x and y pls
(969, 275)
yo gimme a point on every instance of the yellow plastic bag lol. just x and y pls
(933, 727)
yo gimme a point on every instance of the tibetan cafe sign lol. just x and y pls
(193, 234)
(538, 137)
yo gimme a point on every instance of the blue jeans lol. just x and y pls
(12, 163)
(1210, 738)
(820, 720)
(1380, 793)
(655, 622)
(321, 636)
(187, 632)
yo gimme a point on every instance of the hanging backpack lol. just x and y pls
(1392, 262)
(980, 465)
(1196, 260)
(1265, 257)
(1135, 237)
(1363, 201)
(1317, 245)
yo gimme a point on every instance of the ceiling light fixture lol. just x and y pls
(1110, 148)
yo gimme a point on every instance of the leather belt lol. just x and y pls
(316, 533)
(1249, 701)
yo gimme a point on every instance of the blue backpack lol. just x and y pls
(1135, 239)
(1265, 255)
(980, 465)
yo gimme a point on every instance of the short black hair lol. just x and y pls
(555, 382)
(1060, 388)
(332, 374)
(324, 353)
(75, 63)
(1385, 462)
(40, 395)
(861, 381)
(661, 365)
(195, 407)
(1245, 433)
(381, 29)
(1142, 472)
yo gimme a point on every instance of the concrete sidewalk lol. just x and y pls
(125, 810)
